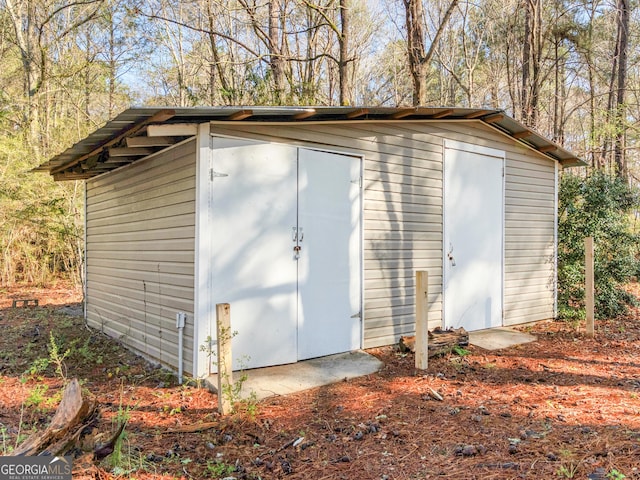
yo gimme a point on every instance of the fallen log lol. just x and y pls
(440, 341)
(70, 432)
(65, 428)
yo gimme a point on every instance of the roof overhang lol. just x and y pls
(139, 132)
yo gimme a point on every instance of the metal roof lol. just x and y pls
(103, 150)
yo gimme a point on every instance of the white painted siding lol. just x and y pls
(403, 215)
(140, 253)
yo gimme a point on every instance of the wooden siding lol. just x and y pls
(140, 253)
(403, 215)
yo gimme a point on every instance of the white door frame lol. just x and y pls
(449, 144)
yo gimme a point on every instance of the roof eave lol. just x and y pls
(91, 157)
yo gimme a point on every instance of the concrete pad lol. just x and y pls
(295, 377)
(497, 338)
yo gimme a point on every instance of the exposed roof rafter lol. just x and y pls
(130, 152)
(361, 112)
(442, 114)
(522, 134)
(403, 113)
(160, 116)
(493, 118)
(173, 130)
(547, 148)
(141, 141)
(139, 132)
(241, 115)
(304, 115)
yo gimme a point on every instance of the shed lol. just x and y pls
(311, 223)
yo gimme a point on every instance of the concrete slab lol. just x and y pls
(497, 338)
(295, 377)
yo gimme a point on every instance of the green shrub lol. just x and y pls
(600, 206)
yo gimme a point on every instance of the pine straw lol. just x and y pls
(564, 405)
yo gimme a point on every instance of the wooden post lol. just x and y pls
(422, 320)
(225, 362)
(589, 289)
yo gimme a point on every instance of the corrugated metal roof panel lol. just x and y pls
(92, 149)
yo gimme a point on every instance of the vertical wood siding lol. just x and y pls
(140, 253)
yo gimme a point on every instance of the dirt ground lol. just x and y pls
(562, 407)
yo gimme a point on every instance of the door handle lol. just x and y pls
(450, 256)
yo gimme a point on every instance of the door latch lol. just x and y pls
(450, 256)
(296, 251)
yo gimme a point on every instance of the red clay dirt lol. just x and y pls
(563, 407)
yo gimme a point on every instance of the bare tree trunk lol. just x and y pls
(526, 62)
(537, 62)
(216, 69)
(31, 28)
(23, 18)
(346, 97)
(623, 42)
(414, 15)
(531, 61)
(595, 158)
(419, 56)
(511, 71)
(277, 61)
(112, 63)
(87, 76)
(560, 91)
(615, 99)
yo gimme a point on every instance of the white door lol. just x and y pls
(253, 207)
(473, 236)
(285, 245)
(329, 264)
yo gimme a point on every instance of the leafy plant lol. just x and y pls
(567, 471)
(120, 460)
(232, 391)
(38, 366)
(219, 469)
(36, 396)
(57, 358)
(599, 206)
(616, 475)
(3, 434)
(458, 350)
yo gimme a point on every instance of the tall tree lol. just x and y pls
(276, 43)
(620, 121)
(346, 94)
(531, 61)
(419, 56)
(612, 150)
(342, 30)
(38, 26)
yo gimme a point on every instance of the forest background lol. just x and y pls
(568, 69)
